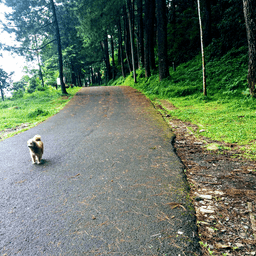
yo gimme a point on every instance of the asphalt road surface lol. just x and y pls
(110, 183)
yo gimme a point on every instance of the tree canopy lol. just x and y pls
(105, 39)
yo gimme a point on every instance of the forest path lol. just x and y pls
(110, 183)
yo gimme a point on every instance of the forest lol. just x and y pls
(199, 54)
(95, 41)
(194, 59)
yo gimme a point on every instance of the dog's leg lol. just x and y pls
(33, 157)
(38, 159)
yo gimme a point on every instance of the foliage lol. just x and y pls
(18, 94)
(33, 84)
(4, 81)
(20, 85)
(226, 114)
(33, 107)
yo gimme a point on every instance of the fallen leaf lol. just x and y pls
(74, 176)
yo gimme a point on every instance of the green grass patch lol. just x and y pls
(226, 114)
(33, 108)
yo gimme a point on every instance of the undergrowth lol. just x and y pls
(226, 114)
(33, 108)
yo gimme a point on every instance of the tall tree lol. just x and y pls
(34, 18)
(202, 47)
(250, 21)
(147, 38)
(151, 32)
(131, 38)
(208, 22)
(120, 42)
(161, 12)
(57, 31)
(140, 34)
(113, 57)
(4, 84)
(106, 57)
(39, 63)
(127, 40)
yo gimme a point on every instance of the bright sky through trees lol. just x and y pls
(10, 62)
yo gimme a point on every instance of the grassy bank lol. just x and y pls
(31, 109)
(226, 114)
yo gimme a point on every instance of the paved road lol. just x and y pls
(107, 186)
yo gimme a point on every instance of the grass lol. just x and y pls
(32, 108)
(226, 114)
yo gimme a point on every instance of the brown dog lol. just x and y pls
(36, 148)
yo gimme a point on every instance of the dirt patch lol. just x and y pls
(4, 134)
(222, 189)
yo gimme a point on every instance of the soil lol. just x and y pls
(222, 189)
(5, 133)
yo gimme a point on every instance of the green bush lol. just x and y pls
(41, 88)
(18, 94)
(33, 84)
(4, 105)
(37, 112)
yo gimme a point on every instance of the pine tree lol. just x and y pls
(250, 21)
(4, 84)
(33, 18)
(162, 38)
(202, 47)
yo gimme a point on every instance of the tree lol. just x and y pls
(129, 5)
(140, 34)
(39, 63)
(106, 56)
(250, 21)
(98, 20)
(4, 83)
(162, 38)
(35, 18)
(202, 47)
(120, 42)
(208, 22)
(148, 37)
(151, 31)
(57, 31)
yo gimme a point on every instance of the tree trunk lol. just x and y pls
(39, 64)
(120, 41)
(132, 40)
(208, 23)
(105, 47)
(73, 74)
(63, 88)
(202, 48)
(127, 40)
(113, 57)
(250, 22)
(152, 61)
(140, 34)
(2, 94)
(147, 39)
(162, 38)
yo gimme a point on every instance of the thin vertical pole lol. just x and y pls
(202, 48)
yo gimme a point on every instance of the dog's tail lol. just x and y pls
(37, 138)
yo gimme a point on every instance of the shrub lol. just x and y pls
(41, 88)
(33, 84)
(18, 94)
(37, 112)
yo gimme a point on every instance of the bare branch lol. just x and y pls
(40, 48)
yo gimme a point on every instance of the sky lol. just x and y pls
(10, 62)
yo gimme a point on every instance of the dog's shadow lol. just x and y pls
(43, 161)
